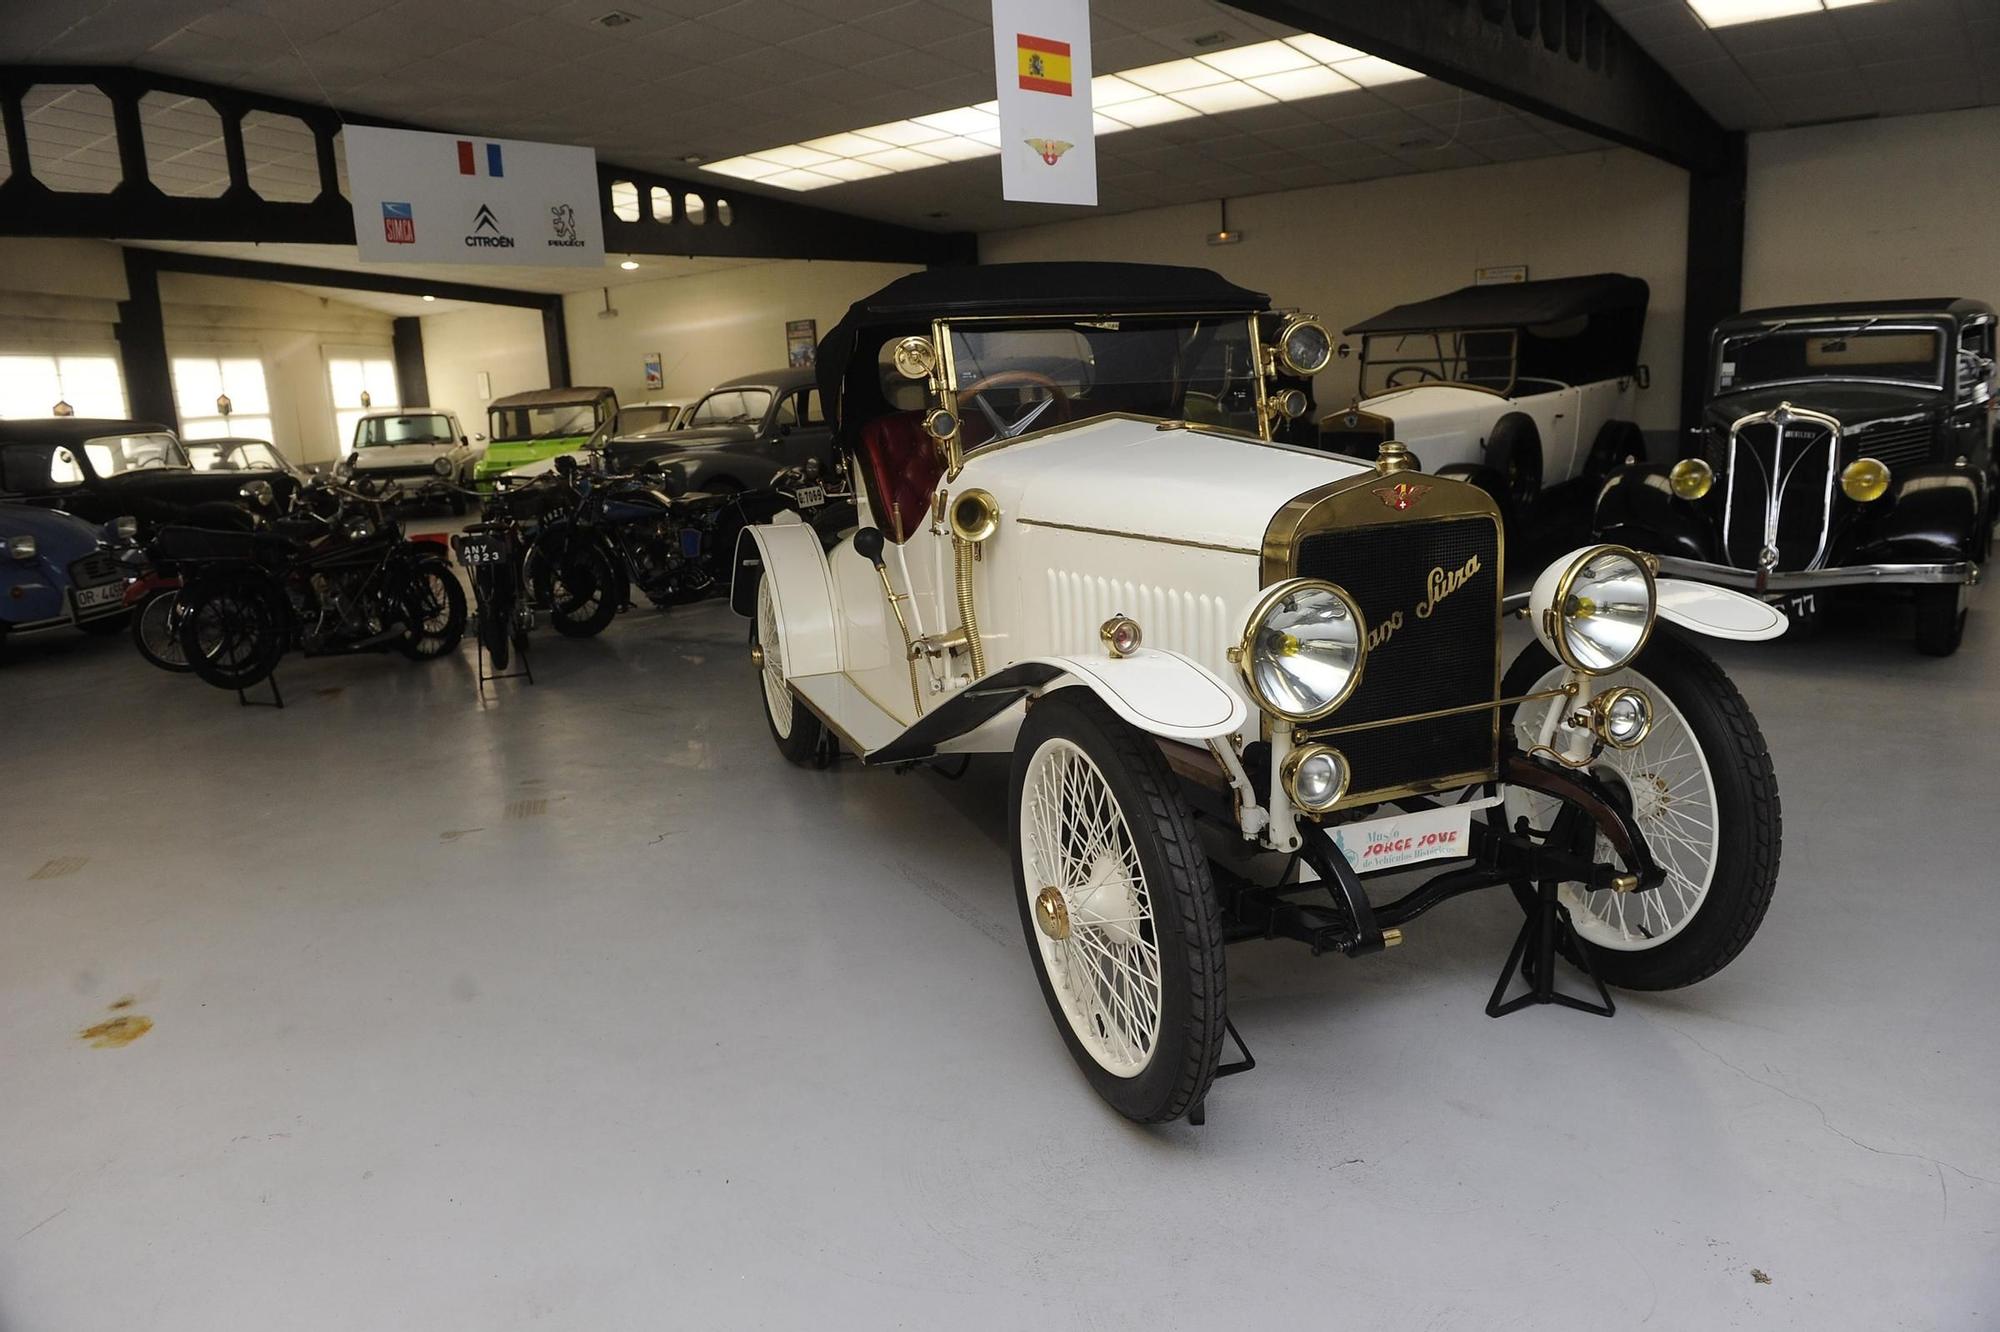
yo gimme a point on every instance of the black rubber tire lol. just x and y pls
(253, 614)
(460, 505)
(1514, 451)
(1616, 441)
(1940, 619)
(155, 631)
(496, 617)
(803, 741)
(446, 638)
(583, 568)
(1746, 870)
(107, 626)
(1187, 919)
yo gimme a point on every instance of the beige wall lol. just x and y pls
(1345, 252)
(707, 327)
(1875, 209)
(503, 342)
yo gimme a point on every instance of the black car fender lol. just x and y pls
(1935, 512)
(1636, 507)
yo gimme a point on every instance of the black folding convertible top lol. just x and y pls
(908, 304)
(1513, 304)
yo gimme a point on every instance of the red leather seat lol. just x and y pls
(901, 465)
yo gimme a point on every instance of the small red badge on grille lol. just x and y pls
(1402, 495)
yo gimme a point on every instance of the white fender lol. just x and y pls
(794, 563)
(1720, 612)
(1160, 692)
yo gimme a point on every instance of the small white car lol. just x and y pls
(423, 451)
(1236, 677)
(1516, 387)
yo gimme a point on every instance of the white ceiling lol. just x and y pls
(722, 77)
(1891, 58)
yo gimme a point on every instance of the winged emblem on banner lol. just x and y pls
(1050, 149)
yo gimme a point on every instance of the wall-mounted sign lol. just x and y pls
(655, 376)
(439, 198)
(801, 342)
(1041, 59)
(1498, 274)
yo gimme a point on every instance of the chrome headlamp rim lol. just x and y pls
(1600, 716)
(1288, 777)
(1560, 640)
(1245, 660)
(1292, 326)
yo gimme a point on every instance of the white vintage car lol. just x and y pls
(1237, 677)
(422, 451)
(1517, 387)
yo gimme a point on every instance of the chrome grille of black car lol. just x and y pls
(95, 569)
(1802, 472)
(1422, 663)
(1900, 447)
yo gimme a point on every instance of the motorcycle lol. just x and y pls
(492, 552)
(337, 575)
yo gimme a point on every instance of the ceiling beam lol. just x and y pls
(1565, 60)
(137, 209)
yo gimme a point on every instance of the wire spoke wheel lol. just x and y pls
(434, 610)
(1083, 869)
(156, 629)
(778, 700)
(233, 630)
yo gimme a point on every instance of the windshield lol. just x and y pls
(554, 421)
(242, 456)
(1860, 350)
(632, 419)
(1009, 379)
(417, 428)
(1483, 358)
(734, 406)
(113, 455)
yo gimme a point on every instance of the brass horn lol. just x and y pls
(975, 515)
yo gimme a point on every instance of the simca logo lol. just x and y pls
(1443, 584)
(1402, 495)
(399, 224)
(1050, 149)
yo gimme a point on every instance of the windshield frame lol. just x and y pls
(449, 437)
(1945, 329)
(946, 376)
(598, 416)
(1436, 335)
(81, 451)
(771, 394)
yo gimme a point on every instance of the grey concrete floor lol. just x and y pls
(576, 1007)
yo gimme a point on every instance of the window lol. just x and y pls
(249, 456)
(800, 408)
(732, 407)
(359, 384)
(31, 386)
(416, 428)
(200, 382)
(559, 420)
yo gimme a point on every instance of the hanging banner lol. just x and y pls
(439, 198)
(1041, 58)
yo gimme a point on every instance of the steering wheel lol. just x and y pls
(1424, 375)
(993, 426)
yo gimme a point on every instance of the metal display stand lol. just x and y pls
(243, 700)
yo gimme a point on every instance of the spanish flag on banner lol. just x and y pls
(1044, 64)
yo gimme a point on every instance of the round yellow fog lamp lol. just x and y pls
(1691, 478)
(1864, 479)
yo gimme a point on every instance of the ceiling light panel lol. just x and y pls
(1291, 70)
(1728, 13)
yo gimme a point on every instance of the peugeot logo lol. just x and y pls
(485, 221)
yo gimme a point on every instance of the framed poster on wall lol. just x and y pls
(801, 342)
(655, 376)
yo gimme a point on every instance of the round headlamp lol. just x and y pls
(257, 492)
(1289, 403)
(1864, 479)
(21, 547)
(1622, 717)
(1304, 347)
(442, 467)
(1302, 649)
(1691, 478)
(125, 527)
(1314, 777)
(1121, 635)
(1595, 610)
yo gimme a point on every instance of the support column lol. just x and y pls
(413, 388)
(1716, 202)
(142, 343)
(555, 341)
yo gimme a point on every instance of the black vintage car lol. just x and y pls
(740, 436)
(1841, 446)
(103, 469)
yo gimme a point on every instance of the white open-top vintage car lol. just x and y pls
(1516, 387)
(1235, 676)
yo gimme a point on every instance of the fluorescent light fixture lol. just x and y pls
(627, 264)
(1291, 70)
(429, 297)
(1728, 13)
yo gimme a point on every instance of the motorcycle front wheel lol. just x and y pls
(156, 630)
(233, 628)
(582, 596)
(434, 610)
(494, 591)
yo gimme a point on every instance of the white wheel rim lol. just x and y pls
(1674, 804)
(1106, 972)
(777, 694)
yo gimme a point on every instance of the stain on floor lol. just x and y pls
(453, 834)
(112, 1033)
(60, 866)
(126, 1002)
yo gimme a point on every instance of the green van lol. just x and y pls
(542, 423)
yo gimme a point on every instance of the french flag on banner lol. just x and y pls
(468, 161)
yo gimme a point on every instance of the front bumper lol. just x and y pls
(428, 486)
(1812, 580)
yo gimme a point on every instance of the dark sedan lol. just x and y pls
(105, 469)
(740, 436)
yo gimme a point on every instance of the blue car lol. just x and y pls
(56, 569)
